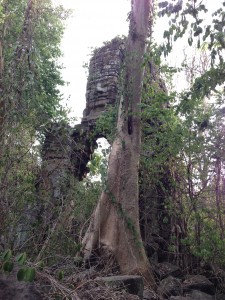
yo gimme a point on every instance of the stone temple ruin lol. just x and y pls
(67, 151)
(103, 80)
(102, 92)
(74, 146)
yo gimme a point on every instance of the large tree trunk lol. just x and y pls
(115, 223)
(2, 101)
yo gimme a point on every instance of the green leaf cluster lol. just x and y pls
(24, 273)
(187, 19)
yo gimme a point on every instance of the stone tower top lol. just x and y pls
(103, 79)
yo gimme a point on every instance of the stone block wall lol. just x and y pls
(68, 150)
(103, 80)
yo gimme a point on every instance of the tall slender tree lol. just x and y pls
(115, 223)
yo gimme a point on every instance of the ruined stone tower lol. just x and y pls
(69, 154)
(103, 80)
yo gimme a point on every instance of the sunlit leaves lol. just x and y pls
(31, 59)
(30, 90)
(181, 22)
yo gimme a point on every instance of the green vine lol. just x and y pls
(128, 221)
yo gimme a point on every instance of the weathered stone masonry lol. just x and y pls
(73, 147)
(68, 154)
(103, 81)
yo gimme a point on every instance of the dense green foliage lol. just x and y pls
(30, 36)
(31, 32)
(184, 131)
(182, 160)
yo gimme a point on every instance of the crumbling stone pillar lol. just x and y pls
(65, 155)
(103, 80)
(56, 165)
(67, 151)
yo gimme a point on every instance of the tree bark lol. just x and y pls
(2, 103)
(218, 197)
(115, 223)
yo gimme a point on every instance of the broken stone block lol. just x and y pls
(198, 295)
(180, 298)
(133, 284)
(220, 296)
(149, 294)
(194, 295)
(12, 289)
(200, 283)
(170, 286)
(163, 270)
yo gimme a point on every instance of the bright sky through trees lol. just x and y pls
(92, 23)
